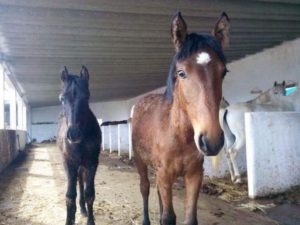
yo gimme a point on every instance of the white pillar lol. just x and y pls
(20, 113)
(129, 139)
(13, 109)
(102, 138)
(110, 141)
(1, 97)
(119, 141)
(24, 111)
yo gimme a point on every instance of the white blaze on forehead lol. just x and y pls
(203, 58)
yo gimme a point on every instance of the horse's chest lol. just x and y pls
(178, 160)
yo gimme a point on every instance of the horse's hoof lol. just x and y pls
(91, 222)
(238, 180)
(146, 222)
(83, 212)
(70, 223)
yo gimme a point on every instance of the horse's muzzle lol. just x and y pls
(74, 135)
(210, 149)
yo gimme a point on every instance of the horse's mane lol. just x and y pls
(193, 43)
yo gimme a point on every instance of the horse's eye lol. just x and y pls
(225, 72)
(181, 73)
(61, 98)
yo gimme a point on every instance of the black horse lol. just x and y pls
(79, 139)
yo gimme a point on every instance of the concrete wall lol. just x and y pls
(11, 142)
(273, 152)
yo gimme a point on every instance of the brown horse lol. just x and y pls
(173, 132)
(79, 139)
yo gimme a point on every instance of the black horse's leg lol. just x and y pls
(144, 187)
(90, 191)
(72, 172)
(81, 190)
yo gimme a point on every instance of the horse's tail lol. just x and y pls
(228, 135)
(229, 138)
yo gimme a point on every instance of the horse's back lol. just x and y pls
(149, 109)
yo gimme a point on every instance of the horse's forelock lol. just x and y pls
(192, 44)
(78, 82)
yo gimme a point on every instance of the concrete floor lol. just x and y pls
(33, 190)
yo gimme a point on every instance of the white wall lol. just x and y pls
(261, 70)
(44, 122)
(107, 111)
(272, 161)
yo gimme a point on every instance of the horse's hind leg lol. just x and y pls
(144, 186)
(81, 191)
(237, 175)
(72, 172)
(230, 165)
(89, 193)
(238, 145)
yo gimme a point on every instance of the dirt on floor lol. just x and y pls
(32, 192)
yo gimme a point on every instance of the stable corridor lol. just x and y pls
(32, 192)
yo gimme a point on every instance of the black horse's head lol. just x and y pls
(75, 100)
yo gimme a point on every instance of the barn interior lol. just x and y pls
(126, 46)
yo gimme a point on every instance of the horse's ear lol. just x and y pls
(275, 83)
(84, 73)
(64, 74)
(178, 31)
(221, 30)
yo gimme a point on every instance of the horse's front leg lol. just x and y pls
(193, 181)
(72, 172)
(81, 181)
(144, 187)
(90, 192)
(165, 182)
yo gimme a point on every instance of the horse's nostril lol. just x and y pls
(202, 143)
(69, 134)
(222, 140)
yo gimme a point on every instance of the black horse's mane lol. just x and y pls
(193, 43)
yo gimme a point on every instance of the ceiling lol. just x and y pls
(125, 44)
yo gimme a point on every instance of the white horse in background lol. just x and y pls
(233, 122)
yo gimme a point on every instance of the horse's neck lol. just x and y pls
(178, 117)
